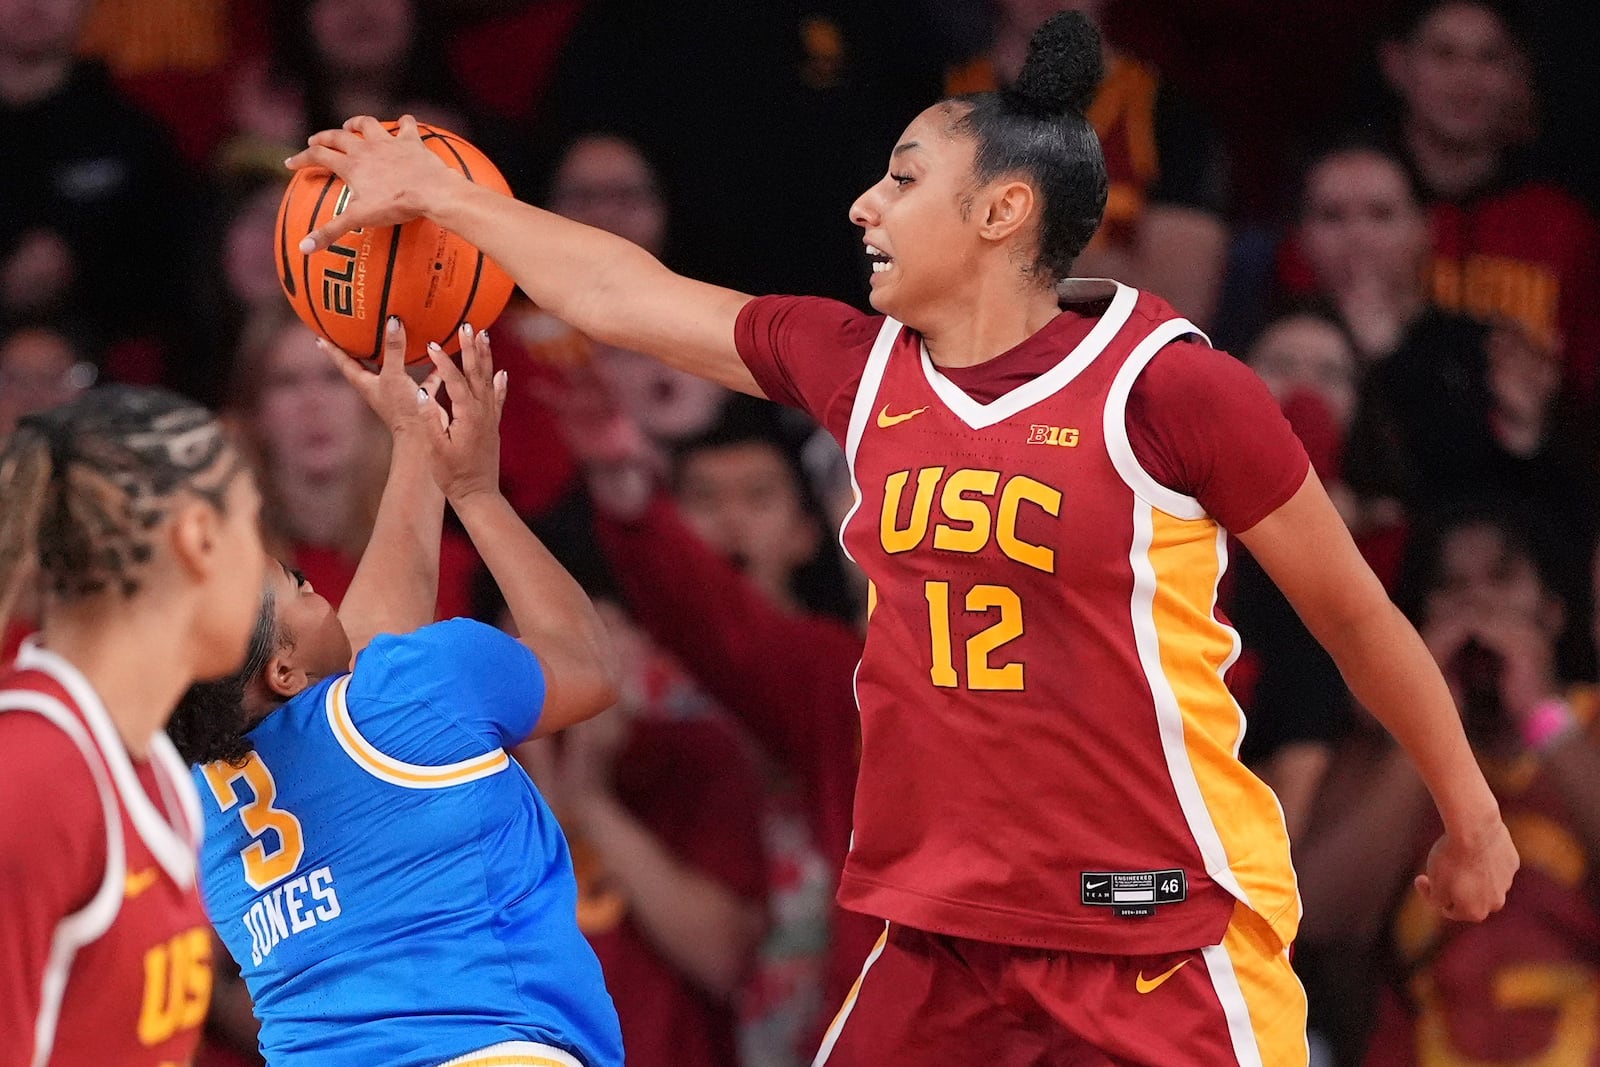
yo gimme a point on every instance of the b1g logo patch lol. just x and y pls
(1134, 894)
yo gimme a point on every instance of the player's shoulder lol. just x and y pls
(44, 772)
(822, 319)
(449, 647)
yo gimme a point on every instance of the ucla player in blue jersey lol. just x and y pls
(393, 887)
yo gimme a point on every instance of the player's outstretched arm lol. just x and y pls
(1306, 549)
(603, 285)
(553, 614)
(396, 586)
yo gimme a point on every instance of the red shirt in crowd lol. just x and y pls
(689, 782)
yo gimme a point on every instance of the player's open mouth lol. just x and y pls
(880, 261)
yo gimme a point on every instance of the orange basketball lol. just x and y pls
(418, 270)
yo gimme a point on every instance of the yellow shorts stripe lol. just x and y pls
(1260, 993)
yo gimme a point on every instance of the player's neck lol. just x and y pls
(967, 333)
(138, 684)
(27, 80)
(1449, 168)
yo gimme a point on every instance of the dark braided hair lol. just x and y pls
(210, 721)
(84, 484)
(1037, 127)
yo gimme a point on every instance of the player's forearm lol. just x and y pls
(602, 285)
(582, 275)
(396, 585)
(553, 614)
(701, 927)
(1389, 670)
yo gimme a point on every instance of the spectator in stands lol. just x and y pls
(1522, 988)
(40, 367)
(321, 462)
(605, 181)
(95, 221)
(662, 806)
(1164, 227)
(333, 58)
(1505, 242)
(1295, 698)
(1450, 407)
(721, 603)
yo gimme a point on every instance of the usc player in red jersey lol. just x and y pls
(140, 521)
(1074, 866)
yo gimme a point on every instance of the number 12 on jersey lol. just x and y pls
(982, 674)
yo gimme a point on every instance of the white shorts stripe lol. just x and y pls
(1234, 1006)
(831, 1038)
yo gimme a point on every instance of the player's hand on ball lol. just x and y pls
(466, 439)
(388, 175)
(1468, 883)
(392, 392)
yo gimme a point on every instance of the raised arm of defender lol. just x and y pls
(605, 286)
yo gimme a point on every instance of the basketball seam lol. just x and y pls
(305, 262)
(287, 271)
(477, 273)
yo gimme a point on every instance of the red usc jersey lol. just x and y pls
(1048, 745)
(1522, 988)
(121, 976)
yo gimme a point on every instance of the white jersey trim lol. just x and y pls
(173, 846)
(861, 412)
(91, 921)
(398, 772)
(979, 416)
(516, 1054)
(1116, 425)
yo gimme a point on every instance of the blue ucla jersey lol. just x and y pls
(393, 886)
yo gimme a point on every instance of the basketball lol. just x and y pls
(418, 270)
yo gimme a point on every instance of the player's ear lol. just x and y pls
(1010, 206)
(193, 533)
(283, 676)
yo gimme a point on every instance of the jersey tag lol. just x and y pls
(1134, 894)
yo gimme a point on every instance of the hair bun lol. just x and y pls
(1063, 69)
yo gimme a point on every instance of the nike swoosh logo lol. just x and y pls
(138, 881)
(886, 420)
(1150, 985)
(1093, 885)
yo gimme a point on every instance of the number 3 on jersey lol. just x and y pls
(261, 868)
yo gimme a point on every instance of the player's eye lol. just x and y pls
(901, 180)
(299, 579)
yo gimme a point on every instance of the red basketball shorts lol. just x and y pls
(933, 1001)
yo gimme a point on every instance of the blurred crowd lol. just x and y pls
(1386, 207)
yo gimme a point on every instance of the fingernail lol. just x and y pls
(307, 246)
(433, 346)
(422, 395)
(501, 378)
(484, 336)
(394, 324)
(288, 160)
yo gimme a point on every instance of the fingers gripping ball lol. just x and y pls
(418, 270)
